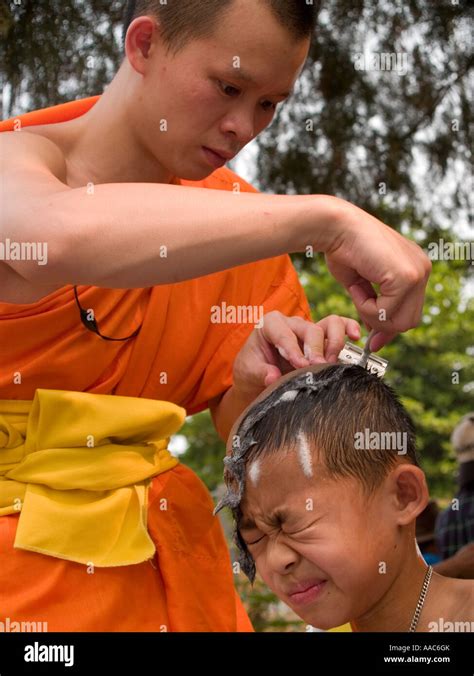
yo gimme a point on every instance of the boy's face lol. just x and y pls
(201, 96)
(333, 540)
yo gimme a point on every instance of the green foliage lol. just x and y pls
(206, 451)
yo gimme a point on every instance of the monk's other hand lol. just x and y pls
(385, 273)
(283, 344)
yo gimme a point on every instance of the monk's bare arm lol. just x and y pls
(142, 234)
(226, 408)
(130, 235)
(139, 235)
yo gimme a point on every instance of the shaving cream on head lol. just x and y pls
(254, 471)
(304, 454)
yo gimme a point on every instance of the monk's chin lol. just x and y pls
(196, 173)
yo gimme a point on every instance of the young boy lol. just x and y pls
(325, 489)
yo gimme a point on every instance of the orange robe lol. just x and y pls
(180, 356)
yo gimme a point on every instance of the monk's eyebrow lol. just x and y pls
(243, 76)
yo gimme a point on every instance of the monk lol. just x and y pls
(151, 252)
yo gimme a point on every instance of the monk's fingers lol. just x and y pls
(255, 379)
(391, 312)
(315, 340)
(286, 335)
(255, 366)
(336, 330)
(312, 337)
(379, 340)
(271, 374)
(318, 342)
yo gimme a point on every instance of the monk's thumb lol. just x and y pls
(271, 374)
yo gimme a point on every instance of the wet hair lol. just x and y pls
(337, 409)
(185, 20)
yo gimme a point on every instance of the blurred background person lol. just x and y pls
(454, 527)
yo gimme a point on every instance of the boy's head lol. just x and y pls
(185, 69)
(325, 488)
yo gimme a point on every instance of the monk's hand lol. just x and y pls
(362, 252)
(287, 343)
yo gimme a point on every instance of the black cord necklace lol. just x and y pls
(91, 324)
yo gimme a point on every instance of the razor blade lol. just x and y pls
(354, 355)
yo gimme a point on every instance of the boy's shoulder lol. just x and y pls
(465, 598)
(459, 601)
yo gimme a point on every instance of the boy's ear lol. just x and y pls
(408, 486)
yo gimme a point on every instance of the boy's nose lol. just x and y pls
(281, 558)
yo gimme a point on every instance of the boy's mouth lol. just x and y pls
(306, 591)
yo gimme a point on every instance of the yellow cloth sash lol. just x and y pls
(78, 467)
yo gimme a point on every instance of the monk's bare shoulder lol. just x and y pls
(33, 153)
(32, 167)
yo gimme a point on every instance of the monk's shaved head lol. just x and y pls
(185, 20)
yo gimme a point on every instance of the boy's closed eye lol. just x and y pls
(249, 544)
(253, 535)
(250, 534)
